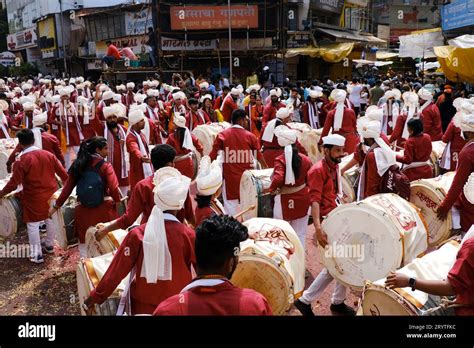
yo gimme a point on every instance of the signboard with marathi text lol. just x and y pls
(213, 17)
(170, 44)
(458, 14)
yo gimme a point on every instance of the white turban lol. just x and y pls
(146, 83)
(121, 88)
(26, 99)
(287, 137)
(40, 119)
(153, 93)
(66, 91)
(204, 97)
(469, 189)
(273, 93)
(82, 100)
(368, 128)
(26, 86)
(141, 107)
(28, 106)
(339, 98)
(135, 116)
(179, 96)
(3, 105)
(268, 132)
(235, 91)
(464, 121)
(72, 81)
(108, 111)
(204, 85)
(425, 94)
(130, 85)
(170, 193)
(17, 90)
(56, 99)
(255, 87)
(315, 93)
(209, 179)
(389, 94)
(108, 95)
(458, 102)
(103, 88)
(139, 98)
(80, 79)
(374, 113)
(180, 121)
(80, 86)
(87, 83)
(334, 139)
(154, 83)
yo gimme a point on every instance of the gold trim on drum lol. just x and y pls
(91, 272)
(409, 298)
(407, 307)
(114, 240)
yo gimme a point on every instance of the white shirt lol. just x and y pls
(354, 97)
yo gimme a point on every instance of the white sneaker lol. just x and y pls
(37, 259)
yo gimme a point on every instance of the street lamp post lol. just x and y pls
(62, 36)
(230, 42)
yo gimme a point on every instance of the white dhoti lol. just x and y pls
(231, 206)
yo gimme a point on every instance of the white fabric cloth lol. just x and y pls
(385, 157)
(319, 284)
(147, 167)
(209, 178)
(334, 139)
(231, 206)
(287, 137)
(38, 140)
(202, 282)
(313, 115)
(299, 225)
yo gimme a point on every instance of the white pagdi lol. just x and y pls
(464, 121)
(281, 114)
(209, 178)
(135, 116)
(339, 98)
(180, 121)
(469, 189)
(334, 139)
(108, 95)
(170, 193)
(287, 137)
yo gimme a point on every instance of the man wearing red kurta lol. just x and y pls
(230, 104)
(236, 142)
(35, 170)
(343, 121)
(270, 110)
(129, 98)
(195, 117)
(456, 196)
(430, 115)
(43, 140)
(325, 188)
(312, 113)
(115, 134)
(454, 144)
(154, 120)
(137, 147)
(154, 278)
(211, 293)
(417, 153)
(184, 144)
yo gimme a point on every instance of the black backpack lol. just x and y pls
(90, 188)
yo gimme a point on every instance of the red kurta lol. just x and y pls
(227, 109)
(85, 217)
(183, 162)
(453, 136)
(35, 172)
(240, 147)
(194, 119)
(294, 205)
(417, 149)
(119, 147)
(136, 165)
(222, 299)
(398, 131)
(348, 129)
(73, 124)
(146, 297)
(49, 142)
(432, 122)
(322, 184)
(269, 112)
(142, 202)
(206, 212)
(456, 192)
(88, 130)
(305, 112)
(461, 278)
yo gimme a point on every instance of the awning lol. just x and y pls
(351, 36)
(385, 55)
(456, 63)
(420, 43)
(332, 53)
(362, 62)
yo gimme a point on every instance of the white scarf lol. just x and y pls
(313, 114)
(384, 156)
(393, 111)
(188, 140)
(63, 114)
(147, 168)
(412, 111)
(85, 114)
(123, 153)
(202, 282)
(269, 131)
(152, 113)
(38, 140)
(28, 150)
(3, 123)
(338, 116)
(445, 161)
(157, 263)
(289, 174)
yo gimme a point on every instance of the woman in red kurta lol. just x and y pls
(256, 116)
(292, 201)
(417, 152)
(452, 137)
(91, 155)
(184, 143)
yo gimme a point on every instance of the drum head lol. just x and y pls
(427, 197)
(10, 217)
(3, 165)
(264, 275)
(93, 247)
(364, 244)
(252, 185)
(378, 300)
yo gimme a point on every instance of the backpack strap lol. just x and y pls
(98, 165)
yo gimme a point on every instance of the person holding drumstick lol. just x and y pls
(289, 183)
(324, 181)
(211, 292)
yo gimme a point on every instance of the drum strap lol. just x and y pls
(125, 307)
(183, 157)
(287, 190)
(445, 304)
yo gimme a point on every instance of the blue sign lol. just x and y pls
(458, 14)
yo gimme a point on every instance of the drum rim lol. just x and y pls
(10, 203)
(404, 303)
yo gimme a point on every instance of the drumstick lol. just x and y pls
(252, 207)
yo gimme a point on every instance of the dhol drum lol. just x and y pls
(64, 219)
(427, 195)
(7, 146)
(106, 245)
(379, 300)
(436, 154)
(11, 220)
(372, 237)
(349, 181)
(89, 272)
(3, 165)
(207, 133)
(271, 262)
(254, 190)
(309, 139)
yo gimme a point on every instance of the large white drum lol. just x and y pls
(106, 245)
(379, 300)
(89, 272)
(64, 220)
(427, 195)
(309, 139)
(271, 262)
(254, 190)
(372, 237)
(436, 154)
(10, 214)
(349, 181)
(207, 133)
